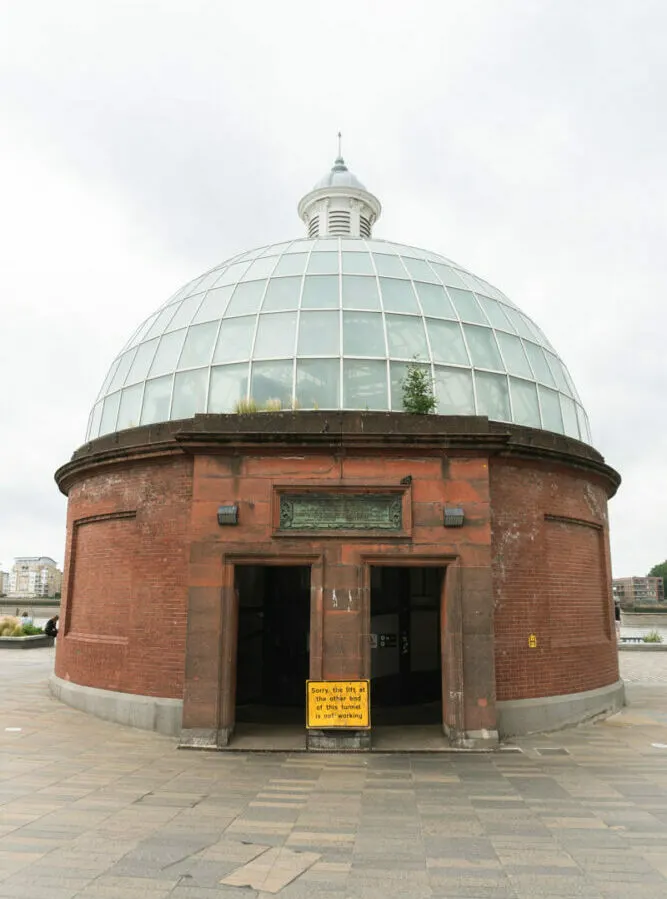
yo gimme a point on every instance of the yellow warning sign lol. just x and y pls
(338, 703)
(532, 641)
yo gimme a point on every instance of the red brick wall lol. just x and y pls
(249, 481)
(135, 585)
(100, 600)
(126, 579)
(551, 578)
(577, 590)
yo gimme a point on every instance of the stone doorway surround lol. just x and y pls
(209, 713)
(467, 664)
(209, 706)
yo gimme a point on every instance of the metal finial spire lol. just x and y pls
(339, 162)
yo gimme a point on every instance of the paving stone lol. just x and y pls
(563, 887)
(92, 810)
(272, 870)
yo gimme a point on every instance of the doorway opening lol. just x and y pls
(273, 650)
(406, 663)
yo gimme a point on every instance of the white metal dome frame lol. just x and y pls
(333, 323)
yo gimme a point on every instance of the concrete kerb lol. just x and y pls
(145, 712)
(547, 713)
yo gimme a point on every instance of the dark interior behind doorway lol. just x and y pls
(273, 641)
(406, 677)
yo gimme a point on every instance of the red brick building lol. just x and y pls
(218, 557)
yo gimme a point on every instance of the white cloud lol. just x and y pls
(145, 142)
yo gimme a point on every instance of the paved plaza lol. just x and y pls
(94, 810)
(644, 667)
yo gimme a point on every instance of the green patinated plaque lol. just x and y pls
(341, 512)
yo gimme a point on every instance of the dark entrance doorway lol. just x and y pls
(273, 643)
(406, 679)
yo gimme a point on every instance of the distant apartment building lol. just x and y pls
(638, 591)
(34, 576)
(4, 583)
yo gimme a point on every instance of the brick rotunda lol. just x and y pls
(253, 510)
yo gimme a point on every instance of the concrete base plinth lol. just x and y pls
(546, 713)
(198, 738)
(471, 739)
(33, 641)
(338, 740)
(146, 712)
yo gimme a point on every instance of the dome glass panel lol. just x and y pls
(318, 383)
(214, 304)
(282, 293)
(525, 407)
(157, 400)
(357, 264)
(320, 292)
(363, 334)
(130, 407)
(360, 293)
(454, 390)
(332, 324)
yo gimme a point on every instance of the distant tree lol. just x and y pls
(418, 396)
(660, 571)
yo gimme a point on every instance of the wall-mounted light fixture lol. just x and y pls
(454, 517)
(228, 514)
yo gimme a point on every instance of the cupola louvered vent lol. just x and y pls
(339, 205)
(339, 221)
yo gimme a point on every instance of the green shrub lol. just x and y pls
(29, 630)
(417, 386)
(652, 637)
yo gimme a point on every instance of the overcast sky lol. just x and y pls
(144, 142)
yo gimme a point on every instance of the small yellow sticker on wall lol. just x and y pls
(532, 641)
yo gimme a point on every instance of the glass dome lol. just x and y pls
(332, 324)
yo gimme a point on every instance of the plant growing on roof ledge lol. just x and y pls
(250, 405)
(417, 386)
(246, 406)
